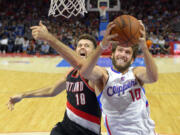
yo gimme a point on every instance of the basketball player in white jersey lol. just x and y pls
(124, 105)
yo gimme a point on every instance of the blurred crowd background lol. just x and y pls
(16, 18)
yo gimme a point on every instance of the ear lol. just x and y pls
(112, 56)
(132, 60)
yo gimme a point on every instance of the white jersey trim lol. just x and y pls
(82, 122)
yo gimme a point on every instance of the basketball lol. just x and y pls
(128, 30)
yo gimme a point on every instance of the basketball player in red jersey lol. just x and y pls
(83, 114)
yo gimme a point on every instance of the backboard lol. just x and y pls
(94, 5)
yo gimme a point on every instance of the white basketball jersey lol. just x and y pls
(124, 105)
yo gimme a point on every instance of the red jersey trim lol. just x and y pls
(109, 131)
(87, 84)
(77, 74)
(83, 115)
(73, 76)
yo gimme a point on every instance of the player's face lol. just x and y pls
(122, 58)
(84, 48)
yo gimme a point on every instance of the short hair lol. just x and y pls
(89, 37)
(134, 48)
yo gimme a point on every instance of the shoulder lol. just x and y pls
(101, 69)
(102, 80)
(139, 73)
(69, 71)
(101, 72)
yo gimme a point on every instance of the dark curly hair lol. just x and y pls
(89, 37)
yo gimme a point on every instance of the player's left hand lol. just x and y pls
(40, 32)
(142, 39)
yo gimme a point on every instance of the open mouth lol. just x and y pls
(83, 54)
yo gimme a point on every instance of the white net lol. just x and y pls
(67, 8)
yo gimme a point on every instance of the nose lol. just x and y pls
(123, 55)
(83, 46)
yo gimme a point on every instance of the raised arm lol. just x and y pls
(44, 92)
(150, 73)
(88, 69)
(40, 32)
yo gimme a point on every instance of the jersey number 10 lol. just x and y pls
(135, 94)
(80, 99)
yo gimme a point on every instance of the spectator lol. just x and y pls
(155, 48)
(10, 43)
(31, 48)
(166, 48)
(17, 44)
(4, 44)
(25, 45)
(44, 48)
(21, 44)
(161, 43)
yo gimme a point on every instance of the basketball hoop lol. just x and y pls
(67, 8)
(102, 10)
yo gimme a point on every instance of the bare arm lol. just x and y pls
(45, 92)
(41, 32)
(150, 73)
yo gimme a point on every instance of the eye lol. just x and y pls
(86, 45)
(79, 45)
(120, 50)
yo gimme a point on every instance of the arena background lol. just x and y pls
(33, 64)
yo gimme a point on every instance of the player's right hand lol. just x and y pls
(13, 100)
(108, 37)
(40, 32)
